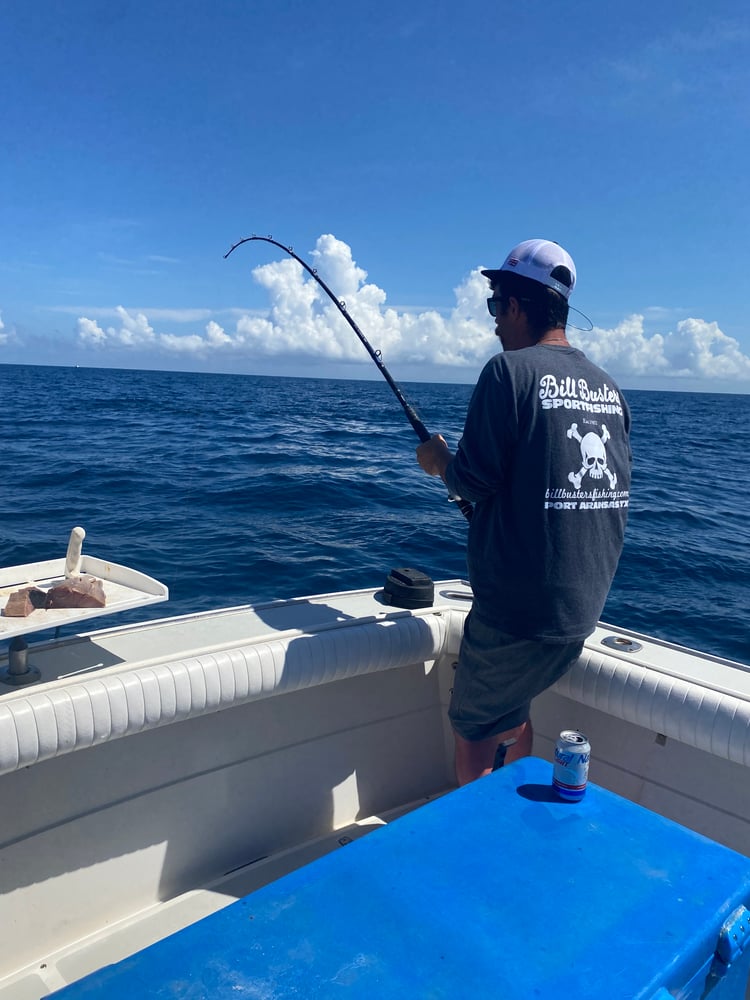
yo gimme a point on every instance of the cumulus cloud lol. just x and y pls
(133, 331)
(3, 334)
(695, 348)
(215, 337)
(301, 320)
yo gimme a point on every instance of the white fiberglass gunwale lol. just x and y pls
(116, 682)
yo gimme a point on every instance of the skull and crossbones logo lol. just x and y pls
(593, 457)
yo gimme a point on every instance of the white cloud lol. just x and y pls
(625, 349)
(696, 348)
(178, 315)
(302, 321)
(665, 314)
(215, 337)
(4, 337)
(700, 348)
(134, 331)
(89, 332)
(171, 315)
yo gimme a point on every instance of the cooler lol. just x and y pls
(494, 890)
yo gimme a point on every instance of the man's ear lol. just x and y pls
(513, 307)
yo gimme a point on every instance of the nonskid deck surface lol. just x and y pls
(116, 942)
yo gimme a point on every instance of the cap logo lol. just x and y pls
(512, 261)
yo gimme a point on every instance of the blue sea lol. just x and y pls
(236, 489)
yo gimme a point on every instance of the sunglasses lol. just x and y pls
(492, 303)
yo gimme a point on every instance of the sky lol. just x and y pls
(398, 148)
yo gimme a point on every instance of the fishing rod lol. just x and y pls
(421, 431)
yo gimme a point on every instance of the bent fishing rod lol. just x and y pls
(421, 431)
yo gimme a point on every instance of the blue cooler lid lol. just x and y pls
(495, 890)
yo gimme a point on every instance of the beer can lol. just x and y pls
(571, 768)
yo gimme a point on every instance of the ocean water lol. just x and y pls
(235, 489)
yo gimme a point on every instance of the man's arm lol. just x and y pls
(434, 456)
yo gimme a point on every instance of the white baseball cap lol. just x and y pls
(540, 261)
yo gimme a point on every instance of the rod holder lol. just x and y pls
(19, 671)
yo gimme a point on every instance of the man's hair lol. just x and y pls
(545, 308)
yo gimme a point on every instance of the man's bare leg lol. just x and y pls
(523, 745)
(474, 758)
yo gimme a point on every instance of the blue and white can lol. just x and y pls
(571, 768)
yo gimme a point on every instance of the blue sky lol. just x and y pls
(400, 148)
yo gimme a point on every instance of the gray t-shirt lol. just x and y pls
(545, 457)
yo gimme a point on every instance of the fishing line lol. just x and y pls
(584, 329)
(421, 431)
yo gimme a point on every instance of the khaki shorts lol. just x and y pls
(498, 675)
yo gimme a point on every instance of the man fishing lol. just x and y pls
(545, 457)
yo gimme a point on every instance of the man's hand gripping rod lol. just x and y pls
(422, 433)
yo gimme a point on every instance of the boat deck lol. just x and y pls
(118, 941)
